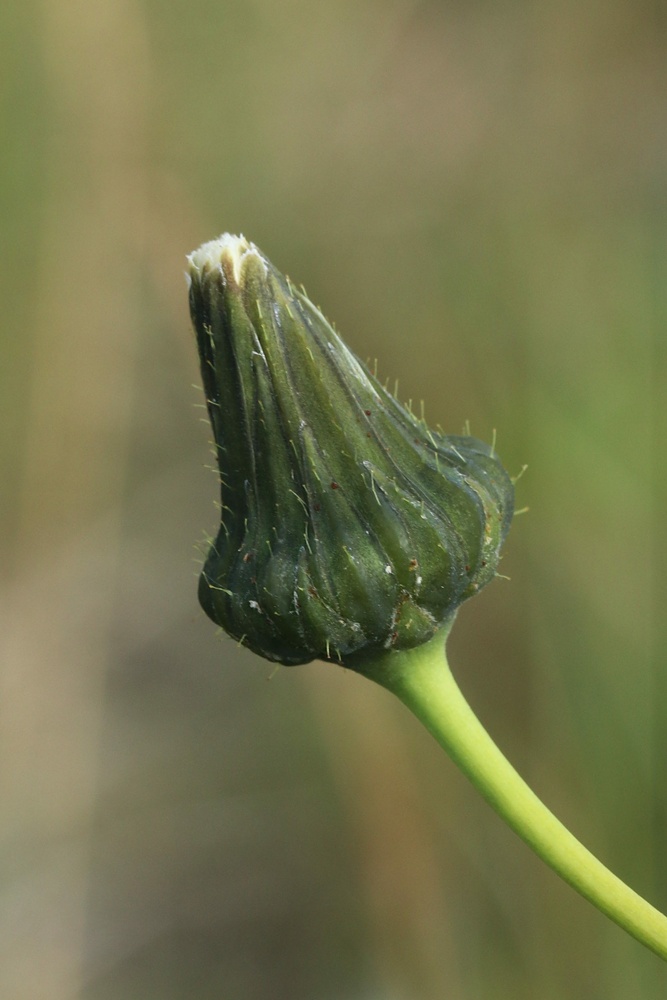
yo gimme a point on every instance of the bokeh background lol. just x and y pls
(476, 194)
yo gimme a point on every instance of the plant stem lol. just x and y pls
(421, 678)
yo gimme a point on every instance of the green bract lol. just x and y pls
(348, 527)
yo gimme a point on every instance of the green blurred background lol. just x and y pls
(476, 194)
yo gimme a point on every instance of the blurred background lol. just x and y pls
(476, 195)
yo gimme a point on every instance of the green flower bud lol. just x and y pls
(348, 527)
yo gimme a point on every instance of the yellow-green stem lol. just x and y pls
(421, 678)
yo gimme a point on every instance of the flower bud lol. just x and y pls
(348, 528)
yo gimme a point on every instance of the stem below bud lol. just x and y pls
(421, 678)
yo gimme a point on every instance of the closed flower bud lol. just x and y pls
(348, 528)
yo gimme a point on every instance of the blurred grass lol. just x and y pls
(475, 194)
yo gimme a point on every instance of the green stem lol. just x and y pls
(421, 678)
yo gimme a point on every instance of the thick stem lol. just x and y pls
(421, 678)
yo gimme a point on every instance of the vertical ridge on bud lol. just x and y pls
(347, 526)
